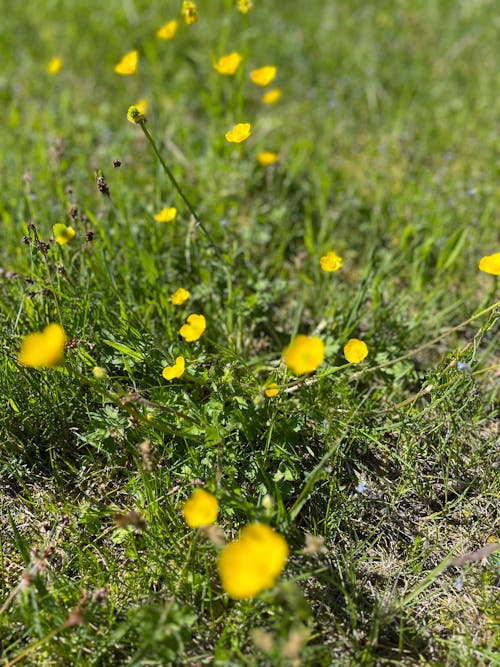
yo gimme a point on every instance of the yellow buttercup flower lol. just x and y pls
(253, 562)
(229, 63)
(135, 114)
(168, 30)
(239, 133)
(244, 6)
(201, 509)
(272, 96)
(490, 264)
(99, 373)
(304, 354)
(62, 234)
(44, 349)
(331, 262)
(54, 65)
(166, 215)
(355, 350)
(128, 64)
(267, 158)
(175, 371)
(264, 75)
(179, 296)
(196, 325)
(189, 12)
(272, 390)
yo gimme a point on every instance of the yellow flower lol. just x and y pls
(228, 64)
(239, 133)
(304, 354)
(99, 373)
(175, 371)
(168, 30)
(142, 105)
(355, 350)
(201, 509)
(189, 12)
(40, 350)
(54, 65)
(62, 234)
(180, 296)
(135, 114)
(264, 75)
(331, 262)
(196, 325)
(272, 96)
(166, 215)
(128, 64)
(272, 390)
(244, 6)
(267, 158)
(490, 264)
(252, 563)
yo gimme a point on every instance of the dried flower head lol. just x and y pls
(304, 354)
(194, 328)
(263, 75)
(128, 64)
(201, 509)
(229, 63)
(355, 350)
(239, 133)
(44, 349)
(175, 371)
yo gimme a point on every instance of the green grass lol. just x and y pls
(388, 143)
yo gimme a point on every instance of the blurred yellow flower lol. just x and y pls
(62, 234)
(490, 264)
(135, 114)
(229, 63)
(44, 349)
(201, 509)
(304, 354)
(239, 133)
(264, 75)
(128, 64)
(168, 31)
(244, 6)
(166, 215)
(267, 158)
(355, 350)
(175, 371)
(99, 373)
(272, 96)
(189, 12)
(54, 65)
(179, 296)
(196, 325)
(252, 563)
(331, 262)
(272, 390)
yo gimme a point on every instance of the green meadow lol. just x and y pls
(350, 514)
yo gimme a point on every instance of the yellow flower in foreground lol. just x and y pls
(272, 96)
(179, 296)
(239, 133)
(201, 509)
(331, 262)
(267, 158)
(244, 6)
(128, 64)
(168, 31)
(490, 264)
(355, 350)
(135, 114)
(166, 215)
(264, 75)
(190, 12)
(62, 234)
(99, 373)
(304, 354)
(41, 350)
(54, 65)
(175, 371)
(252, 563)
(196, 325)
(228, 64)
(272, 390)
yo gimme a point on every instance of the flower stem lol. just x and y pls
(177, 186)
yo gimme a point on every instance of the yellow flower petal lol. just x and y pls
(175, 371)
(490, 264)
(267, 158)
(244, 6)
(272, 390)
(239, 133)
(331, 262)
(228, 64)
(264, 75)
(45, 349)
(166, 215)
(196, 325)
(355, 350)
(168, 30)
(63, 234)
(272, 96)
(54, 65)
(180, 296)
(201, 509)
(128, 64)
(189, 12)
(304, 354)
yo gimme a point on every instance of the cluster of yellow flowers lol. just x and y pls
(249, 564)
